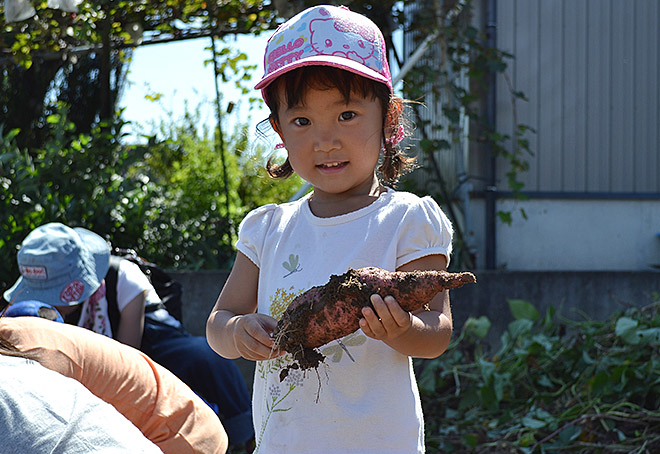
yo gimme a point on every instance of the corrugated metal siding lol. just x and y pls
(438, 124)
(590, 70)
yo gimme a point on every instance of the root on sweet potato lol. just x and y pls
(331, 311)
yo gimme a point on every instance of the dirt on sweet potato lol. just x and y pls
(331, 311)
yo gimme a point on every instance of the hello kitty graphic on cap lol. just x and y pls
(331, 36)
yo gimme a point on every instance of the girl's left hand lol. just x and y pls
(388, 321)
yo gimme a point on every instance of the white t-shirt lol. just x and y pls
(131, 282)
(42, 411)
(370, 405)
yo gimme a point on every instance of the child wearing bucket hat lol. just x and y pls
(328, 86)
(66, 267)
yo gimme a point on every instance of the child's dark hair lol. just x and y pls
(297, 82)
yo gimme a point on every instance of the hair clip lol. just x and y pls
(398, 137)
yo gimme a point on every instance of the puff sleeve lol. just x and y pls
(425, 230)
(253, 230)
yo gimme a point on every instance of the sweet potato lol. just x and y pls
(331, 311)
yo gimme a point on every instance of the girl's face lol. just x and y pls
(332, 144)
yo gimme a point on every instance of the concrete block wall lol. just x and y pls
(574, 294)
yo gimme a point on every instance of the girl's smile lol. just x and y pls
(334, 145)
(331, 167)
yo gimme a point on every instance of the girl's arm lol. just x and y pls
(131, 322)
(234, 328)
(424, 333)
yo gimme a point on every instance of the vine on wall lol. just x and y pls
(458, 74)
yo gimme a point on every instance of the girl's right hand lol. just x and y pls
(252, 336)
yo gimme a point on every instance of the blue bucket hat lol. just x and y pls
(59, 265)
(32, 308)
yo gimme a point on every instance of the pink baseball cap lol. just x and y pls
(331, 36)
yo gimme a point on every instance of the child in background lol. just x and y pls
(43, 411)
(164, 408)
(328, 86)
(67, 267)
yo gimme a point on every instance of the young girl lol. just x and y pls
(329, 89)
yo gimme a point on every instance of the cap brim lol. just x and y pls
(326, 60)
(20, 292)
(13, 294)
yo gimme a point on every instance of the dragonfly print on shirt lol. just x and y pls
(292, 266)
(334, 350)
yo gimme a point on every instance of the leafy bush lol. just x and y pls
(74, 178)
(195, 222)
(553, 386)
(166, 199)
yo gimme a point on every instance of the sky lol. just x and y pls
(177, 73)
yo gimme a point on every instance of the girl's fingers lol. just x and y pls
(253, 340)
(256, 351)
(389, 311)
(370, 323)
(386, 320)
(399, 316)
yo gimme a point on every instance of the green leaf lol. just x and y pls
(505, 217)
(153, 97)
(649, 336)
(11, 134)
(520, 328)
(488, 397)
(568, 435)
(532, 423)
(526, 441)
(545, 381)
(544, 341)
(478, 327)
(470, 440)
(501, 382)
(599, 383)
(523, 310)
(626, 329)
(486, 367)
(587, 359)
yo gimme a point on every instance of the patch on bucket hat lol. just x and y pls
(72, 292)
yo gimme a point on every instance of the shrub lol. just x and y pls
(166, 199)
(74, 178)
(553, 386)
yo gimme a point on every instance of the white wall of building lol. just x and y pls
(587, 235)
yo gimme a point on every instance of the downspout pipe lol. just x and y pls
(491, 116)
